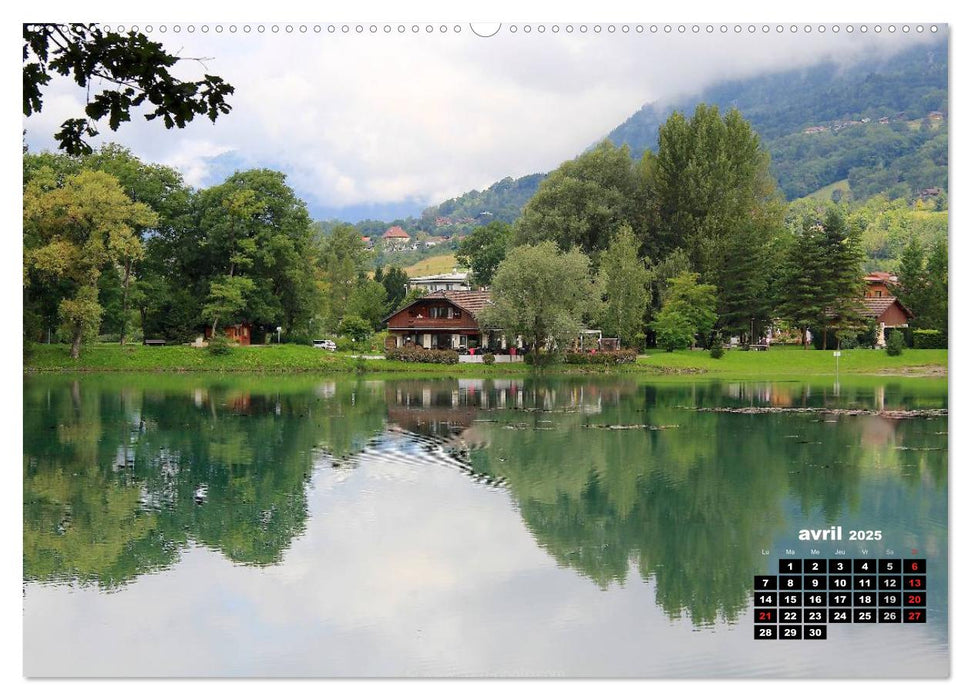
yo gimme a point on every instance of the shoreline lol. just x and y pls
(778, 363)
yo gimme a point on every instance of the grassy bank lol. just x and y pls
(795, 361)
(777, 362)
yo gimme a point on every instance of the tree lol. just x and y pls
(842, 286)
(482, 250)
(922, 284)
(254, 226)
(688, 308)
(625, 281)
(713, 195)
(356, 328)
(584, 201)
(541, 294)
(137, 67)
(71, 232)
(823, 276)
(395, 283)
(368, 300)
(800, 301)
(157, 186)
(343, 263)
(674, 330)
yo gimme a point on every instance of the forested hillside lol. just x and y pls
(880, 124)
(841, 108)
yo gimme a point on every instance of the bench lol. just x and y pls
(154, 341)
(758, 346)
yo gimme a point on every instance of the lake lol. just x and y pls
(195, 525)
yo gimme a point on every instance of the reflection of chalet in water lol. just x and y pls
(456, 408)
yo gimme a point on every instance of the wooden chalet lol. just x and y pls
(882, 306)
(241, 333)
(444, 320)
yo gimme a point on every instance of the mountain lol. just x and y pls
(841, 108)
(880, 124)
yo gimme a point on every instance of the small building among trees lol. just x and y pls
(240, 333)
(451, 281)
(882, 307)
(396, 238)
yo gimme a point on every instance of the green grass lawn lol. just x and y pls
(435, 265)
(777, 362)
(795, 361)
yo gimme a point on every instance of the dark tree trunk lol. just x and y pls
(124, 302)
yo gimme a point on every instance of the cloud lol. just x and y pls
(363, 119)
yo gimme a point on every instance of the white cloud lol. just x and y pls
(392, 118)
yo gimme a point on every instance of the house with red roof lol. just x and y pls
(395, 238)
(444, 320)
(880, 304)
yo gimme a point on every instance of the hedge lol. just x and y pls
(929, 339)
(417, 354)
(604, 357)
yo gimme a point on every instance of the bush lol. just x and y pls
(219, 344)
(717, 347)
(674, 330)
(603, 357)
(847, 340)
(296, 338)
(928, 339)
(356, 328)
(895, 343)
(417, 354)
(488, 359)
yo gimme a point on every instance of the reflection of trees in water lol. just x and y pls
(117, 482)
(113, 471)
(692, 506)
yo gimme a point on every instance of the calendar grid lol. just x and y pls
(808, 595)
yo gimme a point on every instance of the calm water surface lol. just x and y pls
(213, 526)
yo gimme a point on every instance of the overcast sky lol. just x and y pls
(388, 123)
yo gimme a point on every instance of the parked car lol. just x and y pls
(325, 344)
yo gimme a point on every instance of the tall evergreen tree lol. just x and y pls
(800, 300)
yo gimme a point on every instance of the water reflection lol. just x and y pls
(612, 478)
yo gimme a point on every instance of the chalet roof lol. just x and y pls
(873, 307)
(878, 276)
(473, 302)
(396, 232)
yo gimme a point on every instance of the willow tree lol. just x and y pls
(71, 231)
(541, 294)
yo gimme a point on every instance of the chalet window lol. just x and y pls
(879, 293)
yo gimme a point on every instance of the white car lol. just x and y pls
(325, 344)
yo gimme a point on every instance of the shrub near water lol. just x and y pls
(416, 354)
(219, 344)
(605, 357)
(895, 343)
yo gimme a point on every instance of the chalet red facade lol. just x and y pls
(880, 304)
(441, 320)
(877, 285)
(241, 333)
